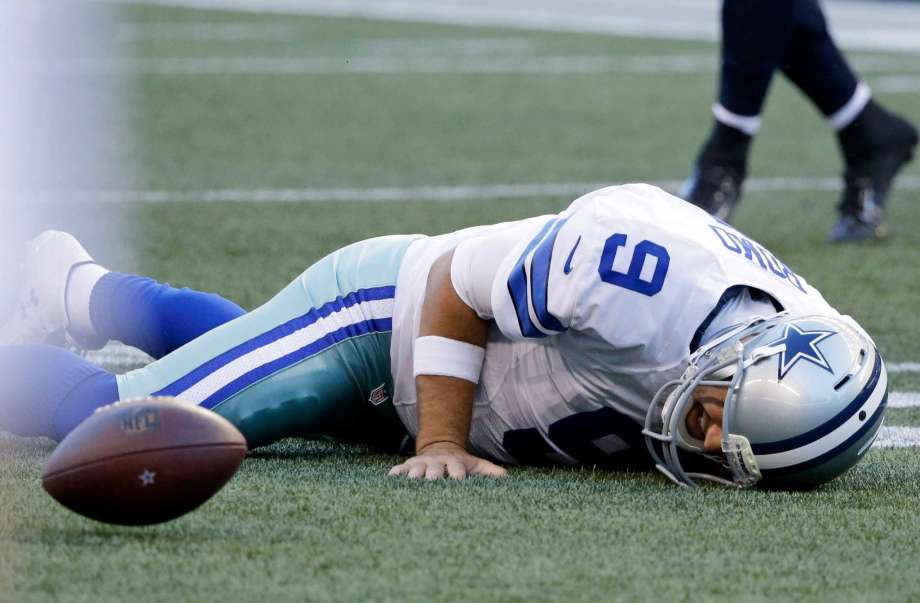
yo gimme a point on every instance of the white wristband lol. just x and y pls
(448, 358)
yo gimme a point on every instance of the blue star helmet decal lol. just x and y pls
(802, 345)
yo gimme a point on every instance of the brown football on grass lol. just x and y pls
(143, 461)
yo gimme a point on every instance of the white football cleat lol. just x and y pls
(41, 309)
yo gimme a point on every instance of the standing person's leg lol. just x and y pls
(313, 359)
(814, 63)
(755, 34)
(875, 143)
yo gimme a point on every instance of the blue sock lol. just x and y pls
(152, 316)
(48, 391)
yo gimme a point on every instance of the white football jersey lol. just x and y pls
(594, 310)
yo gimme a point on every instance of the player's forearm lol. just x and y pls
(445, 408)
(445, 403)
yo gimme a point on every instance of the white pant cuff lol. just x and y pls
(853, 107)
(749, 124)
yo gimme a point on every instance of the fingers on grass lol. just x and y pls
(489, 469)
(435, 470)
(417, 471)
(456, 469)
(398, 470)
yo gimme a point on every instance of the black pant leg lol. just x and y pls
(755, 35)
(814, 63)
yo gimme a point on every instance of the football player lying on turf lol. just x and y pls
(630, 330)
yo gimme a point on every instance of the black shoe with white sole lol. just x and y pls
(875, 151)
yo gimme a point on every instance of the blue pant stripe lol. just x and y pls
(314, 314)
(384, 325)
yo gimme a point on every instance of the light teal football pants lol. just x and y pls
(315, 359)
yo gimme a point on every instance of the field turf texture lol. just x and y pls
(318, 521)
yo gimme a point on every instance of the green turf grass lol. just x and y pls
(305, 521)
(322, 523)
(903, 416)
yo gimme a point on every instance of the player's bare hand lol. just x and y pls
(438, 460)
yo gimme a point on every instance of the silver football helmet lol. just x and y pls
(805, 399)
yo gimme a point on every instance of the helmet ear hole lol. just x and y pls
(842, 382)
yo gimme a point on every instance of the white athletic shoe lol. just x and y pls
(41, 309)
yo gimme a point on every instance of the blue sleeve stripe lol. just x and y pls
(517, 286)
(539, 279)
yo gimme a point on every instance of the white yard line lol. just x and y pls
(452, 60)
(318, 195)
(447, 46)
(885, 63)
(903, 399)
(119, 358)
(897, 437)
(903, 367)
(897, 83)
(204, 31)
(568, 190)
(343, 65)
(868, 25)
